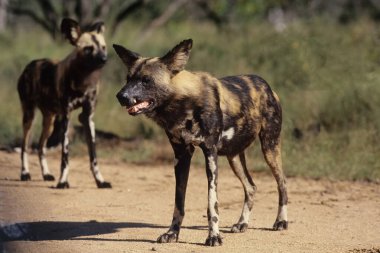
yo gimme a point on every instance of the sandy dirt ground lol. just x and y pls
(324, 216)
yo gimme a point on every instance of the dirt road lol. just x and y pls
(324, 216)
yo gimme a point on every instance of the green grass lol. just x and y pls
(326, 75)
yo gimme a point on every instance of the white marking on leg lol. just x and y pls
(65, 161)
(96, 172)
(213, 199)
(228, 134)
(43, 162)
(66, 143)
(92, 129)
(282, 213)
(45, 168)
(64, 175)
(244, 218)
(212, 164)
(25, 164)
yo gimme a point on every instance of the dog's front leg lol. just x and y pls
(63, 183)
(89, 127)
(211, 156)
(183, 154)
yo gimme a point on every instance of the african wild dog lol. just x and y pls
(57, 88)
(221, 116)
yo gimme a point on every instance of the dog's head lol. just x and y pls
(90, 43)
(148, 82)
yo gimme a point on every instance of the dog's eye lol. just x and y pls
(146, 79)
(88, 49)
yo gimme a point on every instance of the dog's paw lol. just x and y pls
(167, 237)
(64, 185)
(25, 177)
(103, 184)
(280, 225)
(49, 177)
(214, 241)
(239, 228)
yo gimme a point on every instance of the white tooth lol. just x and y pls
(133, 101)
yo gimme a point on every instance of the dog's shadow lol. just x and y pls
(65, 230)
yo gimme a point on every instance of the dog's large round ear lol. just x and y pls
(128, 57)
(71, 30)
(176, 59)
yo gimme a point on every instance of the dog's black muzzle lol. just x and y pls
(101, 59)
(124, 99)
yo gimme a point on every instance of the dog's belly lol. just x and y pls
(238, 133)
(233, 145)
(57, 106)
(236, 136)
(226, 146)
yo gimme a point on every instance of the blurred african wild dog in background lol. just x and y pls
(57, 88)
(221, 116)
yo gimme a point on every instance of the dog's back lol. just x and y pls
(37, 85)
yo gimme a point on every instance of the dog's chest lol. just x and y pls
(76, 102)
(76, 98)
(187, 130)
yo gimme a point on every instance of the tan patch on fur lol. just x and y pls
(138, 62)
(256, 98)
(240, 123)
(155, 69)
(276, 96)
(247, 80)
(85, 40)
(187, 84)
(229, 102)
(274, 158)
(153, 60)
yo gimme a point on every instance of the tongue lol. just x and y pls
(138, 107)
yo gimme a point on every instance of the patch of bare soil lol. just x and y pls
(324, 216)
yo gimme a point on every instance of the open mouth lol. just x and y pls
(139, 107)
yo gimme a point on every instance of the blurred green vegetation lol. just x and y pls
(326, 74)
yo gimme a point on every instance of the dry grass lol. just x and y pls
(326, 75)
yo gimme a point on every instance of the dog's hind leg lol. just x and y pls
(239, 167)
(27, 121)
(271, 147)
(47, 129)
(183, 154)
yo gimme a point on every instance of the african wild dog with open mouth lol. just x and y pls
(221, 116)
(57, 88)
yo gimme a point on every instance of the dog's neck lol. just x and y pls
(76, 74)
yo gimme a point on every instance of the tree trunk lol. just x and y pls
(161, 20)
(3, 14)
